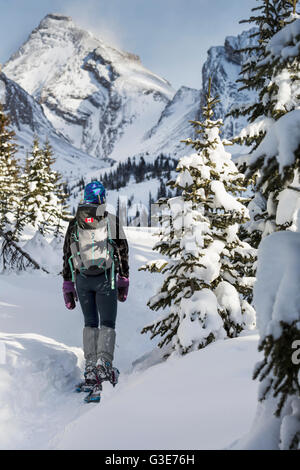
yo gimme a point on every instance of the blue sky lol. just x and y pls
(171, 36)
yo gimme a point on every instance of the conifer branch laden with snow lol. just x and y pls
(209, 270)
(33, 197)
(14, 257)
(9, 172)
(257, 74)
(273, 164)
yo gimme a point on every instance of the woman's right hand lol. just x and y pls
(123, 286)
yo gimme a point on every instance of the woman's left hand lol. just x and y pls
(70, 294)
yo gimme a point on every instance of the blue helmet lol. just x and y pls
(94, 193)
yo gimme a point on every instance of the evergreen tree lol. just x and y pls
(56, 210)
(150, 202)
(257, 73)
(273, 179)
(9, 174)
(140, 170)
(43, 200)
(208, 271)
(273, 71)
(118, 207)
(33, 187)
(278, 160)
(276, 297)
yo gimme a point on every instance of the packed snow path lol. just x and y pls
(205, 400)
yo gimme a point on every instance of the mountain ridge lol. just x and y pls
(91, 92)
(103, 102)
(28, 120)
(223, 65)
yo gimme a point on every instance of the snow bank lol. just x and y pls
(36, 377)
(276, 299)
(281, 141)
(49, 256)
(277, 290)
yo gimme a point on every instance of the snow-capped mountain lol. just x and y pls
(104, 103)
(28, 119)
(173, 125)
(92, 93)
(224, 65)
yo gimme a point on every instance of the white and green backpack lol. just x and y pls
(92, 248)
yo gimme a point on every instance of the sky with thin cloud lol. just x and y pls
(171, 36)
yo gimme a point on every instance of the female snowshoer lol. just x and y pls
(95, 268)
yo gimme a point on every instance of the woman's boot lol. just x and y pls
(104, 370)
(90, 342)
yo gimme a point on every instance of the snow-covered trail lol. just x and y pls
(40, 348)
(204, 400)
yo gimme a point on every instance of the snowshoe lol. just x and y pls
(84, 387)
(105, 371)
(95, 394)
(89, 381)
(114, 379)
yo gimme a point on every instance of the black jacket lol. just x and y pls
(120, 243)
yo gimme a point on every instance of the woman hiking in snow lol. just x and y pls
(96, 263)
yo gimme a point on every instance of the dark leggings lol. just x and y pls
(97, 297)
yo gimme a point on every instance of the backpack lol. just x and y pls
(92, 248)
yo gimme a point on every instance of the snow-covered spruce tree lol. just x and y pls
(269, 17)
(9, 173)
(56, 208)
(278, 160)
(273, 71)
(208, 269)
(275, 162)
(34, 189)
(276, 298)
(43, 199)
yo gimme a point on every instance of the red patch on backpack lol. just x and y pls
(89, 220)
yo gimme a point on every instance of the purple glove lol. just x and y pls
(70, 295)
(123, 286)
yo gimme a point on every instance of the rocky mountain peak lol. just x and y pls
(91, 92)
(223, 65)
(28, 120)
(105, 103)
(57, 16)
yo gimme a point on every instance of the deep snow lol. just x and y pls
(276, 300)
(204, 400)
